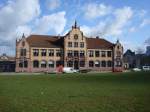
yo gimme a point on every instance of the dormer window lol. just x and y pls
(75, 36)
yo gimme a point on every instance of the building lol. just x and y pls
(38, 53)
(7, 63)
(129, 59)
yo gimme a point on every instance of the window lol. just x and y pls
(91, 53)
(35, 52)
(108, 53)
(70, 54)
(97, 63)
(43, 52)
(51, 52)
(58, 53)
(97, 54)
(91, 63)
(51, 64)
(76, 53)
(103, 54)
(82, 63)
(81, 53)
(109, 63)
(69, 44)
(22, 52)
(75, 44)
(118, 54)
(75, 36)
(103, 63)
(70, 64)
(43, 64)
(82, 44)
(20, 64)
(23, 64)
(35, 64)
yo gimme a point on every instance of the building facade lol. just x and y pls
(7, 63)
(129, 59)
(38, 53)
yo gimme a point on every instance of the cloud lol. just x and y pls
(52, 4)
(93, 10)
(147, 41)
(142, 13)
(15, 14)
(132, 29)
(113, 27)
(122, 16)
(145, 22)
(24, 16)
(14, 17)
(95, 30)
(54, 22)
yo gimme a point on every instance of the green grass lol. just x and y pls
(103, 92)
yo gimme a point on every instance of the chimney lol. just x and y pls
(97, 37)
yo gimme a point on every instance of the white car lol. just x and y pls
(136, 69)
(69, 70)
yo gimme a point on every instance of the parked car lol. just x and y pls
(69, 70)
(136, 69)
(146, 68)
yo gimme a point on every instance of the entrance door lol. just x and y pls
(76, 64)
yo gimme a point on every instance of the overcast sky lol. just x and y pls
(126, 20)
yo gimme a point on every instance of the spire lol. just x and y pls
(75, 24)
(117, 40)
(23, 36)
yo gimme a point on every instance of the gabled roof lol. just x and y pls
(98, 43)
(129, 53)
(46, 41)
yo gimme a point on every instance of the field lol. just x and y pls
(99, 92)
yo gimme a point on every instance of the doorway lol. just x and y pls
(76, 64)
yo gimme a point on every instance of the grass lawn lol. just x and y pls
(101, 92)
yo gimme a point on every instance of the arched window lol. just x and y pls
(91, 63)
(36, 64)
(97, 63)
(43, 64)
(51, 64)
(103, 63)
(109, 63)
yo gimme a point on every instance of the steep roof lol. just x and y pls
(98, 43)
(129, 53)
(45, 41)
(58, 42)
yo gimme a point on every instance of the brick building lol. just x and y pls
(37, 53)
